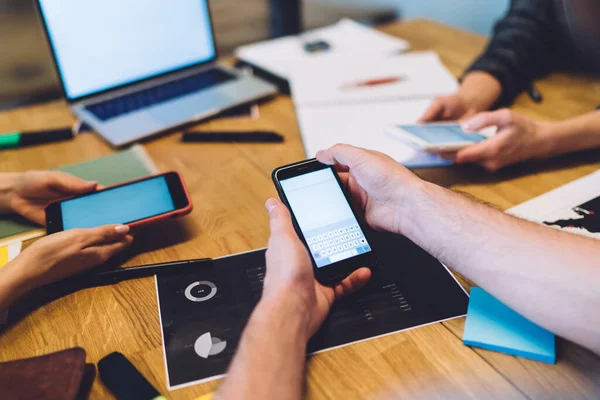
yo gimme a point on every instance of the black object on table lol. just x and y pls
(239, 137)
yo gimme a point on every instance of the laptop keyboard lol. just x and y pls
(158, 94)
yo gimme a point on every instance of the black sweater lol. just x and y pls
(539, 36)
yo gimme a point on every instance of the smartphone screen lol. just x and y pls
(324, 217)
(121, 205)
(436, 134)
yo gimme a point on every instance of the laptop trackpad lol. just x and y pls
(190, 107)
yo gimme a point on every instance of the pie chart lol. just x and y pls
(207, 345)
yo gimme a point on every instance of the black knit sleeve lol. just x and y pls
(522, 47)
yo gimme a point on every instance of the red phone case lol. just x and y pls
(151, 220)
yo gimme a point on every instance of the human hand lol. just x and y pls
(29, 192)
(290, 273)
(518, 138)
(63, 254)
(448, 108)
(377, 183)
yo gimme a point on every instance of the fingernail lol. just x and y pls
(122, 229)
(271, 204)
(470, 125)
(92, 182)
(466, 126)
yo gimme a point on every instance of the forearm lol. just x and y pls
(7, 183)
(479, 90)
(580, 133)
(550, 277)
(270, 360)
(523, 47)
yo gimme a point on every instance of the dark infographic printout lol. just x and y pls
(203, 312)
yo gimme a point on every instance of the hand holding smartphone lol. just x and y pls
(438, 137)
(134, 203)
(324, 219)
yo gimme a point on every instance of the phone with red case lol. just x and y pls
(135, 203)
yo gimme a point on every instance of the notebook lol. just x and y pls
(364, 125)
(415, 75)
(493, 326)
(127, 165)
(331, 107)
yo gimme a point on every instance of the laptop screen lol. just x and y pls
(103, 44)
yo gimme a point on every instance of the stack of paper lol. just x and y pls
(332, 104)
(418, 75)
(333, 107)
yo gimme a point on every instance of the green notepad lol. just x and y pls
(130, 164)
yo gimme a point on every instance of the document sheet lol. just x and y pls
(204, 312)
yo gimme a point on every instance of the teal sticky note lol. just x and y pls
(493, 326)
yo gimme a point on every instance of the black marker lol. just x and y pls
(239, 137)
(20, 139)
(105, 277)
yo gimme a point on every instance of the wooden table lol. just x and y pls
(229, 184)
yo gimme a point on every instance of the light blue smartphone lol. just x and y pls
(438, 137)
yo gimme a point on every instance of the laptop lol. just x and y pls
(131, 69)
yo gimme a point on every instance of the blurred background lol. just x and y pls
(27, 74)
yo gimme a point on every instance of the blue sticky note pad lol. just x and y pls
(493, 326)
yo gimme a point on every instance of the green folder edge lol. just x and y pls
(110, 170)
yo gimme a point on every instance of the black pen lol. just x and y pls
(110, 277)
(240, 137)
(534, 94)
(105, 277)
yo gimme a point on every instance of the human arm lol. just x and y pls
(28, 193)
(523, 47)
(520, 138)
(478, 92)
(58, 256)
(269, 362)
(548, 276)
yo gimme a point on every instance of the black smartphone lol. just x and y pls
(324, 219)
(136, 203)
(124, 380)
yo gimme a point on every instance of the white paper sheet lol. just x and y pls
(364, 125)
(346, 38)
(574, 207)
(330, 81)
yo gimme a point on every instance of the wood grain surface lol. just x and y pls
(229, 184)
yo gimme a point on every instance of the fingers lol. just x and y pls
(344, 155)
(279, 217)
(69, 184)
(433, 113)
(487, 153)
(501, 118)
(103, 252)
(352, 283)
(102, 235)
(448, 155)
(475, 153)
